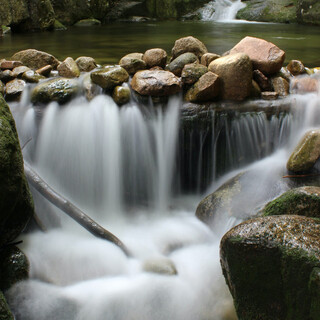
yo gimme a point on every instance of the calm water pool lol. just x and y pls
(108, 43)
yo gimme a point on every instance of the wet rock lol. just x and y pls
(296, 67)
(109, 77)
(176, 66)
(32, 76)
(269, 95)
(2, 88)
(306, 153)
(14, 89)
(155, 83)
(87, 23)
(265, 260)
(6, 76)
(303, 201)
(265, 56)
(161, 266)
(58, 89)
(255, 90)
(18, 71)
(14, 267)
(132, 62)
(35, 59)
(235, 72)
(207, 58)
(5, 64)
(45, 71)
(188, 44)
(16, 205)
(280, 86)
(156, 57)
(5, 313)
(86, 64)
(305, 84)
(191, 73)
(121, 95)
(205, 89)
(261, 80)
(90, 89)
(68, 68)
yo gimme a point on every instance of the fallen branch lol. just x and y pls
(71, 210)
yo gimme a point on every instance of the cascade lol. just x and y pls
(221, 10)
(141, 170)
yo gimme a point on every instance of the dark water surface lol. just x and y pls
(108, 43)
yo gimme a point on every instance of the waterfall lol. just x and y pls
(221, 10)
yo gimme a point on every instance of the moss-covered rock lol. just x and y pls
(303, 201)
(14, 266)
(269, 264)
(16, 205)
(191, 73)
(61, 90)
(308, 11)
(5, 313)
(176, 66)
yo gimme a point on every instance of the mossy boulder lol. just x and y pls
(192, 72)
(5, 313)
(271, 265)
(16, 205)
(14, 266)
(303, 201)
(306, 153)
(61, 90)
(109, 77)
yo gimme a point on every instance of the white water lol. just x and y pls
(95, 154)
(221, 10)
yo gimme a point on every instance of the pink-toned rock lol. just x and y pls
(188, 44)
(155, 83)
(156, 57)
(305, 85)
(68, 68)
(205, 89)
(235, 72)
(265, 56)
(10, 64)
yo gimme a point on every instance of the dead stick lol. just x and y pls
(71, 210)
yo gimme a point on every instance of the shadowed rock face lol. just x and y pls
(269, 264)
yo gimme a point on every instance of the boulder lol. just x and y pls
(303, 201)
(271, 266)
(132, 62)
(280, 86)
(14, 267)
(155, 83)
(16, 205)
(35, 59)
(68, 68)
(306, 153)
(5, 313)
(109, 77)
(205, 89)
(305, 84)
(87, 23)
(265, 56)
(5, 64)
(261, 80)
(296, 67)
(13, 12)
(192, 72)
(32, 76)
(208, 57)
(235, 72)
(121, 95)
(176, 66)
(86, 64)
(61, 90)
(14, 89)
(188, 44)
(156, 57)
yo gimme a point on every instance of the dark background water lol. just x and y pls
(108, 43)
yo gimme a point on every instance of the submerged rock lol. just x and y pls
(306, 153)
(235, 72)
(57, 89)
(35, 59)
(68, 68)
(303, 201)
(109, 77)
(188, 44)
(265, 56)
(176, 66)
(269, 264)
(155, 83)
(16, 205)
(156, 57)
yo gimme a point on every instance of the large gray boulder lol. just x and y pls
(272, 267)
(16, 204)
